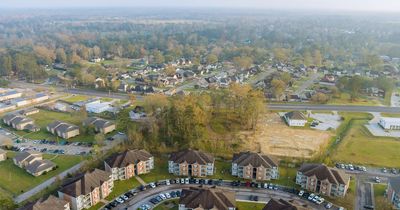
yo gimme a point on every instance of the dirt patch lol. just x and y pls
(276, 138)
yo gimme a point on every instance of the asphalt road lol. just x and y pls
(343, 108)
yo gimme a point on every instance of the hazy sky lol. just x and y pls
(363, 5)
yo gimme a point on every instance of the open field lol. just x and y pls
(359, 146)
(249, 205)
(276, 138)
(345, 99)
(15, 180)
(76, 98)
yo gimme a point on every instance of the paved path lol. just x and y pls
(140, 180)
(24, 196)
(307, 84)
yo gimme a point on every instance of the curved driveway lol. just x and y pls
(241, 194)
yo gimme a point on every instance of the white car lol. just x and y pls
(301, 193)
(167, 182)
(320, 200)
(315, 198)
(187, 181)
(119, 200)
(163, 196)
(265, 185)
(182, 181)
(311, 196)
(168, 195)
(329, 205)
(152, 185)
(124, 197)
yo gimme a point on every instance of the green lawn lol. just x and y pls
(159, 172)
(223, 170)
(249, 205)
(97, 206)
(390, 114)
(121, 187)
(381, 201)
(345, 99)
(287, 177)
(45, 117)
(360, 147)
(16, 180)
(168, 205)
(76, 98)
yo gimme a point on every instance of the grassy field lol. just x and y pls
(159, 172)
(249, 205)
(345, 99)
(390, 114)
(359, 146)
(16, 180)
(381, 201)
(76, 98)
(45, 117)
(97, 206)
(287, 177)
(123, 187)
(168, 205)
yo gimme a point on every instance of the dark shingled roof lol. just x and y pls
(39, 165)
(128, 157)
(191, 156)
(279, 205)
(26, 155)
(98, 122)
(323, 172)
(83, 184)
(51, 202)
(9, 117)
(254, 159)
(395, 183)
(295, 115)
(207, 198)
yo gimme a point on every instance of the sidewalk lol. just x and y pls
(140, 180)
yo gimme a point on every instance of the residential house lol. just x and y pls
(20, 122)
(10, 95)
(129, 163)
(60, 106)
(323, 180)
(39, 167)
(63, 130)
(137, 113)
(52, 202)
(389, 123)
(279, 205)
(33, 163)
(3, 155)
(20, 101)
(191, 163)
(27, 112)
(203, 198)
(86, 190)
(5, 108)
(295, 118)
(393, 191)
(39, 98)
(100, 125)
(251, 165)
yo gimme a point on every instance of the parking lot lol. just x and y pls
(146, 197)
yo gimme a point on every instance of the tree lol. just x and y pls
(285, 77)
(158, 57)
(115, 85)
(278, 88)
(319, 98)
(281, 54)
(6, 65)
(211, 59)
(317, 57)
(155, 101)
(61, 57)
(46, 56)
(99, 138)
(170, 70)
(243, 62)
(7, 203)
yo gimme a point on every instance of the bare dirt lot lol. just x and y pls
(276, 138)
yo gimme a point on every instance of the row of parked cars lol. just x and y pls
(121, 199)
(351, 167)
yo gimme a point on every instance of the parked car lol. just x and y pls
(328, 205)
(152, 185)
(301, 192)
